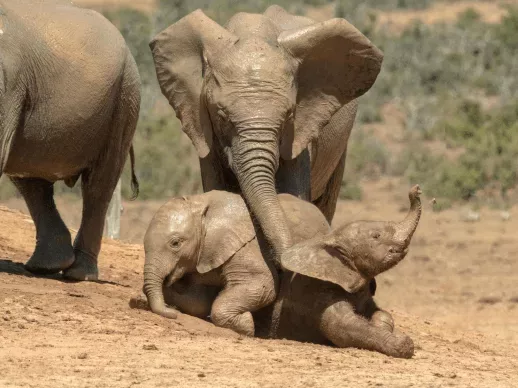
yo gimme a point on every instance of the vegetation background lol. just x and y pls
(443, 112)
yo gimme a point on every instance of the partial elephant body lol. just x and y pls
(269, 102)
(329, 275)
(69, 103)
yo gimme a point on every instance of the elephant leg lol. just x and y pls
(343, 327)
(327, 201)
(195, 300)
(378, 317)
(234, 305)
(53, 252)
(99, 182)
(294, 176)
(97, 188)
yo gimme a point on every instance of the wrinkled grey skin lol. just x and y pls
(210, 240)
(331, 283)
(269, 102)
(69, 103)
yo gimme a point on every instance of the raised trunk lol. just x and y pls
(255, 161)
(407, 227)
(154, 276)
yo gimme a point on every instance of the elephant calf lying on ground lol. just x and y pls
(206, 250)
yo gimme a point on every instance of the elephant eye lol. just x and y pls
(175, 243)
(376, 235)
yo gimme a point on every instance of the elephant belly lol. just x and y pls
(301, 311)
(54, 154)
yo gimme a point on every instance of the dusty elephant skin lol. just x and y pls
(331, 275)
(210, 240)
(263, 111)
(69, 103)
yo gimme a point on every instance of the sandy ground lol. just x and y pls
(456, 294)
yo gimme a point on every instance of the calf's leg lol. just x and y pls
(343, 327)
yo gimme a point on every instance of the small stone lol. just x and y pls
(149, 347)
(82, 356)
(201, 374)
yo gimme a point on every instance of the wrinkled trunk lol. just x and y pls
(407, 227)
(154, 275)
(255, 160)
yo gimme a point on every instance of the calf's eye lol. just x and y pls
(175, 243)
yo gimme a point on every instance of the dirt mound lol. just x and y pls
(60, 334)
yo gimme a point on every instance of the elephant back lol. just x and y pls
(305, 220)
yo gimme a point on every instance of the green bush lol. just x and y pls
(490, 145)
(167, 163)
(351, 191)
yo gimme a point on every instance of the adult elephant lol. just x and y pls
(69, 104)
(270, 100)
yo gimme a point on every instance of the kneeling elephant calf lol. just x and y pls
(206, 249)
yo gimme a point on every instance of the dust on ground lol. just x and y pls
(456, 294)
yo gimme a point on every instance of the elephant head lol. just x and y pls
(192, 234)
(261, 89)
(353, 254)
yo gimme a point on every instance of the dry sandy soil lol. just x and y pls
(456, 294)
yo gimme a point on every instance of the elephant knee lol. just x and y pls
(221, 316)
(242, 323)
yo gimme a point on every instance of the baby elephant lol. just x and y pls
(330, 274)
(210, 240)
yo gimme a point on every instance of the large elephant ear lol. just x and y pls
(228, 228)
(337, 64)
(179, 53)
(318, 258)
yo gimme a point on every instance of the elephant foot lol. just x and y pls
(400, 345)
(84, 268)
(51, 257)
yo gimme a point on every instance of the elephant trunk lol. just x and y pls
(255, 161)
(406, 228)
(154, 275)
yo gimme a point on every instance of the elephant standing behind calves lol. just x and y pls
(330, 279)
(69, 105)
(269, 102)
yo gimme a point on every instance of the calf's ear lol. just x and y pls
(319, 258)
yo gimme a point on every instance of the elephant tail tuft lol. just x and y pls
(134, 180)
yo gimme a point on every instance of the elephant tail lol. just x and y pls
(134, 180)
